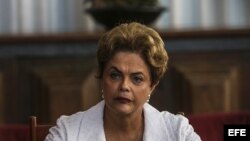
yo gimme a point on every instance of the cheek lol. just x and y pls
(109, 86)
(146, 88)
(142, 92)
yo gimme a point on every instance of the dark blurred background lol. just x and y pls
(47, 58)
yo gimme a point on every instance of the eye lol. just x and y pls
(137, 79)
(115, 75)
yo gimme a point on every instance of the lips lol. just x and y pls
(123, 100)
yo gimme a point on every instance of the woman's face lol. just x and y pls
(126, 83)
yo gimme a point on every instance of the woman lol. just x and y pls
(131, 61)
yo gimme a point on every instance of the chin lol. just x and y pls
(123, 110)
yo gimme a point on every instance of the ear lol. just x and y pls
(153, 87)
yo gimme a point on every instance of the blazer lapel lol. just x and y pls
(91, 128)
(155, 126)
(92, 125)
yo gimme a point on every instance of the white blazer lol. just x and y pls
(88, 126)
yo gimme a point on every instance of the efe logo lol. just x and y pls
(236, 132)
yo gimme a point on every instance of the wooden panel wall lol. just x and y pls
(202, 82)
(55, 77)
(55, 84)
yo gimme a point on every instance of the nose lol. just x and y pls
(124, 87)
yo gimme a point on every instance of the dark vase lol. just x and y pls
(112, 16)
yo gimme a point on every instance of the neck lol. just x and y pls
(124, 125)
(123, 122)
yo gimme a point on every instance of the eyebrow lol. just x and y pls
(116, 69)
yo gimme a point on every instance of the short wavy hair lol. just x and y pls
(137, 38)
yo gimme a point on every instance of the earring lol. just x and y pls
(148, 98)
(102, 94)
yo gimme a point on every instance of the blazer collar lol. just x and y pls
(155, 125)
(92, 124)
(91, 128)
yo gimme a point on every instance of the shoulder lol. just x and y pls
(70, 120)
(165, 115)
(180, 124)
(65, 127)
(77, 118)
(68, 127)
(168, 126)
(175, 119)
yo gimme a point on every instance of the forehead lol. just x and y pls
(128, 61)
